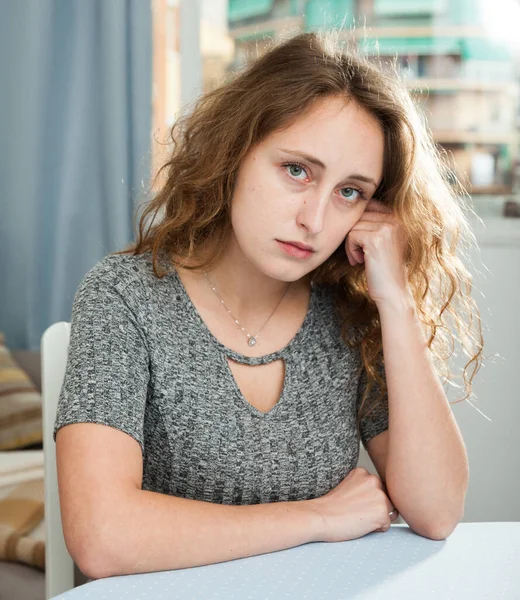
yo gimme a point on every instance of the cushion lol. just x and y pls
(30, 361)
(20, 404)
(21, 519)
(21, 582)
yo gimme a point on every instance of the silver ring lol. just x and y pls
(392, 512)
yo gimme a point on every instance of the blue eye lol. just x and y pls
(295, 170)
(352, 194)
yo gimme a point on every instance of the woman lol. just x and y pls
(286, 298)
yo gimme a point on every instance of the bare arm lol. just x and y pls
(427, 470)
(426, 465)
(113, 527)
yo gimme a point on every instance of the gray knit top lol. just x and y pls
(142, 360)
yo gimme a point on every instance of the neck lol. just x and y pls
(245, 290)
(249, 293)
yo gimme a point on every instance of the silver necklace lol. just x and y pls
(251, 339)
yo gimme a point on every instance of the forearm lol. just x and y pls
(149, 531)
(427, 469)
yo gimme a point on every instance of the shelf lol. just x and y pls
(279, 24)
(256, 30)
(474, 137)
(492, 190)
(420, 31)
(433, 85)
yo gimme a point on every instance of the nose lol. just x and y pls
(311, 212)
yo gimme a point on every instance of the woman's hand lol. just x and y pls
(378, 241)
(356, 506)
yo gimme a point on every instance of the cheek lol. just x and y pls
(249, 215)
(339, 229)
(257, 205)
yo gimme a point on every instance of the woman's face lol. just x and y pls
(309, 185)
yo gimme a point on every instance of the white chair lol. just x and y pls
(59, 566)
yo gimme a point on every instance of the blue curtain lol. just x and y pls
(75, 135)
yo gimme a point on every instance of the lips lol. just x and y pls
(300, 245)
(296, 249)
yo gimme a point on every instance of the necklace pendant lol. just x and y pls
(251, 341)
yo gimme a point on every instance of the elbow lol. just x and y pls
(94, 564)
(438, 531)
(93, 550)
(95, 536)
(439, 534)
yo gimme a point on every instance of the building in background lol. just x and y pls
(166, 94)
(217, 47)
(217, 52)
(464, 79)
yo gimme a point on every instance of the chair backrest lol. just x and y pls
(59, 566)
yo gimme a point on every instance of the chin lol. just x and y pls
(273, 264)
(282, 271)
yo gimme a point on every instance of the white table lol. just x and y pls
(479, 561)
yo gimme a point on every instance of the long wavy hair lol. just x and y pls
(192, 206)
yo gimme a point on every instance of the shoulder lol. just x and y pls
(116, 297)
(120, 282)
(126, 274)
(117, 270)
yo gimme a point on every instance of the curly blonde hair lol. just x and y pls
(192, 208)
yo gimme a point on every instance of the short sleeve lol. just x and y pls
(377, 421)
(107, 372)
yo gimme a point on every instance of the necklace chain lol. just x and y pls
(251, 339)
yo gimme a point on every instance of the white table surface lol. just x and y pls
(478, 561)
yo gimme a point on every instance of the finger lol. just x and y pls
(378, 217)
(393, 510)
(354, 257)
(366, 226)
(354, 242)
(351, 260)
(377, 206)
(394, 516)
(355, 251)
(391, 518)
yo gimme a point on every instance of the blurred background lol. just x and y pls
(91, 88)
(460, 58)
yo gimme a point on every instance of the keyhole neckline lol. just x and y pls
(238, 356)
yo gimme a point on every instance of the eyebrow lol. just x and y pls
(317, 162)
